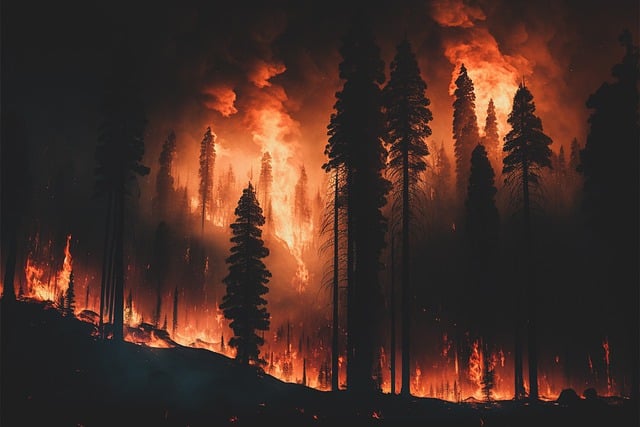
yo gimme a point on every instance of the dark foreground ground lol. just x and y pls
(54, 373)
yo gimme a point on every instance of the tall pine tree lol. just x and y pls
(528, 151)
(243, 302)
(207, 163)
(609, 161)
(355, 143)
(164, 179)
(491, 139)
(118, 156)
(408, 116)
(465, 129)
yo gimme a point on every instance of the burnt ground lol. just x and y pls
(55, 373)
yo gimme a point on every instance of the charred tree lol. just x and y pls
(174, 321)
(609, 161)
(243, 302)
(491, 139)
(407, 116)
(118, 156)
(527, 151)
(70, 298)
(160, 267)
(355, 144)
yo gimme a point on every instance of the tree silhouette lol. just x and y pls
(465, 129)
(70, 298)
(118, 155)
(355, 131)
(408, 118)
(482, 223)
(15, 187)
(527, 149)
(174, 322)
(491, 139)
(243, 302)
(207, 163)
(301, 208)
(164, 179)
(609, 161)
(488, 380)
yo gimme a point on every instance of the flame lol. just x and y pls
(43, 289)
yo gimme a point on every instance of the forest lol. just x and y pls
(437, 212)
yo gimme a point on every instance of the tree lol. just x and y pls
(481, 230)
(207, 163)
(243, 302)
(527, 149)
(164, 179)
(408, 117)
(488, 380)
(301, 209)
(70, 298)
(355, 143)
(609, 160)
(491, 139)
(465, 129)
(174, 326)
(14, 192)
(118, 155)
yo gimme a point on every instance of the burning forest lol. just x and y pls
(419, 202)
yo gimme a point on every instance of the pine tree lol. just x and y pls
(465, 129)
(118, 155)
(207, 163)
(160, 266)
(482, 220)
(527, 149)
(488, 380)
(302, 211)
(491, 139)
(408, 118)
(609, 160)
(574, 155)
(164, 179)
(70, 298)
(243, 302)
(355, 143)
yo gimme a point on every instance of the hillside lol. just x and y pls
(54, 372)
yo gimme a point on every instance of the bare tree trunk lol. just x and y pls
(118, 299)
(336, 277)
(530, 289)
(393, 318)
(406, 286)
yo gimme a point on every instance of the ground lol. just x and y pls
(55, 371)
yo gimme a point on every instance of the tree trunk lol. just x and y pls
(406, 286)
(393, 318)
(118, 299)
(336, 277)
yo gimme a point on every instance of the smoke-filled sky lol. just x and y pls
(241, 68)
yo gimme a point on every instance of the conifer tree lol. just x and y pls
(265, 181)
(70, 298)
(243, 303)
(164, 179)
(355, 144)
(491, 139)
(528, 151)
(408, 117)
(465, 129)
(207, 163)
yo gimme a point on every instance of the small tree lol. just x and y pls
(70, 298)
(488, 377)
(243, 303)
(207, 162)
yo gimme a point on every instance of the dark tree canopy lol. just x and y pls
(465, 128)
(355, 146)
(408, 116)
(243, 302)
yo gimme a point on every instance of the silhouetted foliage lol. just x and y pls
(164, 179)
(243, 302)
(488, 380)
(609, 164)
(527, 149)
(207, 164)
(355, 143)
(482, 219)
(491, 139)
(408, 117)
(15, 189)
(70, 298)
(118, 156)
(465, 129)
